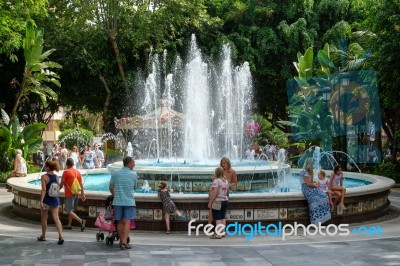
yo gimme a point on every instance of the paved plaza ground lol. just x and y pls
(18, 246)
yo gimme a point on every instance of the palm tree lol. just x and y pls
(37, 72)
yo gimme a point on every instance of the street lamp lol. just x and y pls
(326, 94)
(344, 81)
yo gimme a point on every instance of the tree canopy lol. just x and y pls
(103, 45)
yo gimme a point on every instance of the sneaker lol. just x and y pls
(182, 218)
(83, 225)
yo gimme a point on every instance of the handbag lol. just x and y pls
(102, 223)
(216, 205)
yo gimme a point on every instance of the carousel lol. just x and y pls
(156, 134)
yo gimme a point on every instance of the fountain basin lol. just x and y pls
(363, 203)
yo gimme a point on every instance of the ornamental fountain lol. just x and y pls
(191, 118)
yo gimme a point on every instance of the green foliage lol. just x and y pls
(268, 133)
(14, 16)
(71, 137)
(384, 21)
(340, 31)
(38, 72)
(4, 175)
(28, 139)
(389, 169)
(267, 34)
(308, 111)
(304, 67)
(5, 149)
(297, 34)
(396, 138)
(32, 168)
(113, 156)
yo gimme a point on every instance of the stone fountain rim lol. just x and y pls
(379, 184)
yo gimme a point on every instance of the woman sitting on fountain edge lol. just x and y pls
(318, 204)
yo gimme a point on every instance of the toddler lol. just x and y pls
(323, 184)
(168, 205)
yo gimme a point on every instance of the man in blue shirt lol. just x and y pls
(122, 187)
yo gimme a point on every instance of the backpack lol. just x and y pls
(54, 190)
(76, 187)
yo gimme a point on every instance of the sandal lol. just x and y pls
(167, 232)
(60, 241)
(41, 238)
(215, 237)
(128, 246)
(83, 225)
(122, 246)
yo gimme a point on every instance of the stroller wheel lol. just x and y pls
(102, 236)
(111, 241)
(98, 236)
(107, 240)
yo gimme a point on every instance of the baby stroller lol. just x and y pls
(105, 221)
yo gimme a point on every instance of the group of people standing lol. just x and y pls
(122, 185)
(86, 158)
(320, 193)
(223, 179)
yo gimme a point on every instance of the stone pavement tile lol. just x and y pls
(208, 259)
(42, 262)
(206, 264)
(315, 262)
(256, 261)
(95, 263)
(247, 252)
(362, 263)
(73, 257)
(234, 261)
(67, 262)
(161, 252)
(190, 263)
(203, 250)
(181, 249)
(119, 260)
(227, 252)
(132, 255)
(183, 254)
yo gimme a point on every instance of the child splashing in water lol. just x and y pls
(168, 205)
(323, 184)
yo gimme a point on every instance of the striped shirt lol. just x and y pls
(124, 182)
